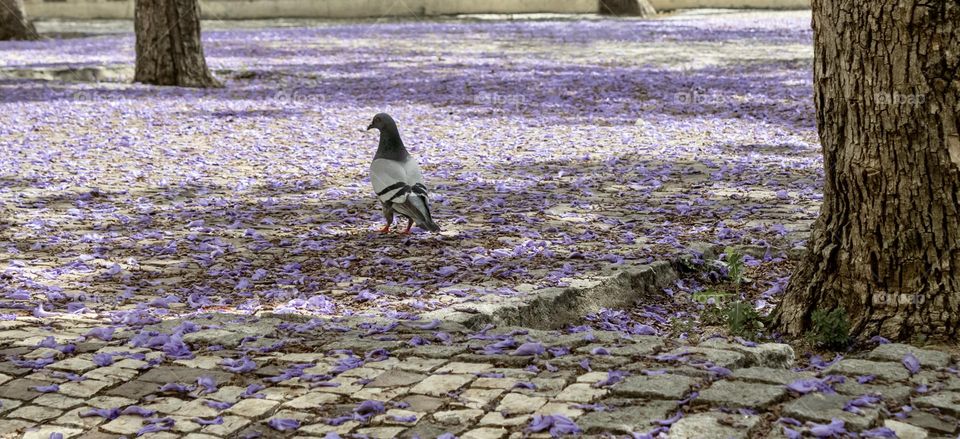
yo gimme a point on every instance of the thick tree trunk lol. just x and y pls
(638, 8)
(887, 243)
(169, 51)
(13, 22)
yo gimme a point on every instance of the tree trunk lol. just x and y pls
(169, 51)
(13, 22)
(638, 8)
(887, 243)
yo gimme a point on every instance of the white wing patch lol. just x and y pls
(393, 180)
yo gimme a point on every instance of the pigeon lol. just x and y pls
(397, 180)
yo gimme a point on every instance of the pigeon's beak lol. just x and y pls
(370, 127)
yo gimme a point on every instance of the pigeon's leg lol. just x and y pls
(409, 225)
(388, 215)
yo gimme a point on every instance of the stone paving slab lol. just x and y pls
(667, 385)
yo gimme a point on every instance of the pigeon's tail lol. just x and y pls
(417, 208)
(430, 225)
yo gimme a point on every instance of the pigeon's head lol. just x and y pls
(382, 121)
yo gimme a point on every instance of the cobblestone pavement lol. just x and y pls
(227, 375)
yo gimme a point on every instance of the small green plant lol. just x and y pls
(734, 266)
(743, 319)
(679, 326)
(831, 329)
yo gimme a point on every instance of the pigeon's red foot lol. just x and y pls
(385, 229)
(409, 225)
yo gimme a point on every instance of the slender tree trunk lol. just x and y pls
(13, 22)
(638, 8)
(169, 51)
(887, 243)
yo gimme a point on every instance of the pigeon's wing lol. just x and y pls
(390, 180)
(401, 185)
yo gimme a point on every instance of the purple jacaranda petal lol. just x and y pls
(719, 371)
(835, 428)
(212, 421)
(854, 404)
(791, 433)
(524, 385)
(745, 342)
(377, 355)
(864, 379)
(879, 340)
(613, 377)
(208, 384)
(789, 421)
(218, 405)
(138, 411)
(911, 363)
(878, 432)
(102, 333)
(671, 420)
(107, 414)
(369, 408)
(103, 359)
(585, 364)
(52, 388)
(251, 391)
(55, 435)
(404, 419)
(599, 351)
(563, 426)
(447, 436)
(156, 425)
(240, 365)
(176, 388)
(528, 349)
(281, 424)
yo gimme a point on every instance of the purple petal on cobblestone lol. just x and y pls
(879, 340)
(854, 404)
(447, 436)
(104, 333)
(745, 342)
(524, 385)
(251, 391)
(671, 420)
(405, 419)
(789, 421)
(103, 359)
(212, 421)
(156, 425)
(368, 408)
(613, 377)
(558, 425)
(878, 432)
(599, 351)
(719, 371)
(176, 388)
(107, 414)
(835, 428)
(52, 388)
(55, 435)
(791, 433)
(528, 349)
(218, 405)
(208, 383)
(240, 365)
(138, 411)
(864, 379)
(377, 355)
(911, 363)
(281, 424)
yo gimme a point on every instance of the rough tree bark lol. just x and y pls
(887, 243)
(13, 22)
(169, 51)
(639, 8)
